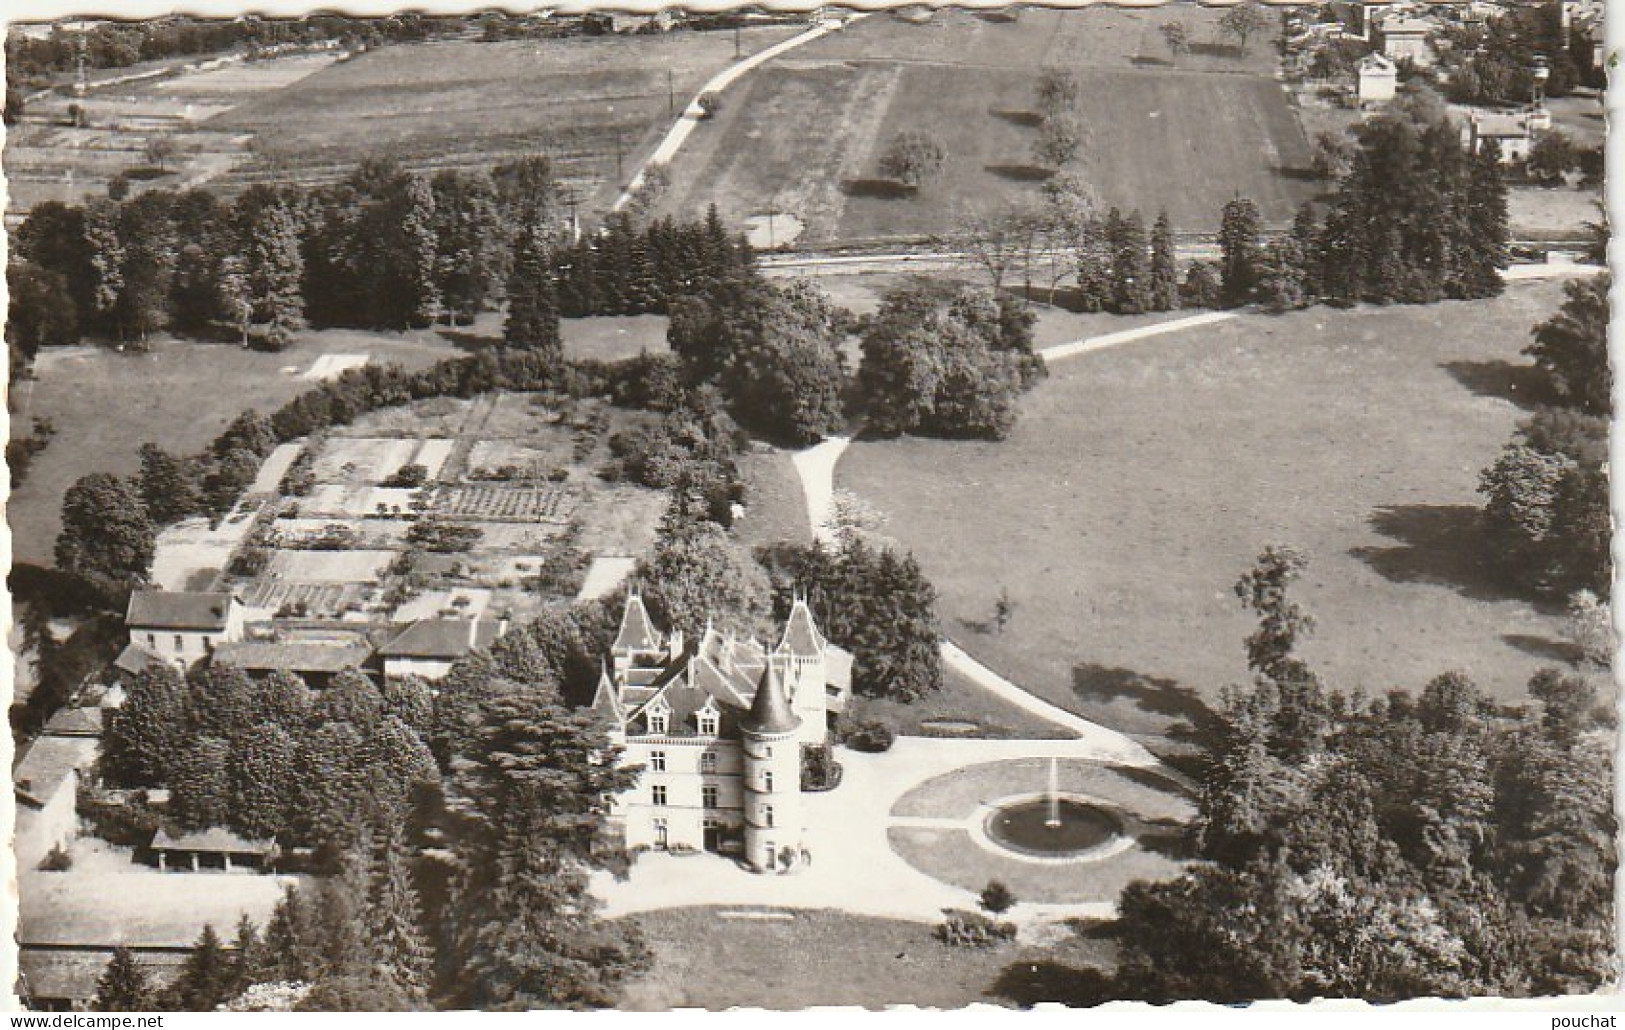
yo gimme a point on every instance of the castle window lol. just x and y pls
(657, 722)
(708, 761)
(767, 781)
(657, 761)
(767, 815)
(708, 796)
(657, 794)
(180, 643)
(708, 724)
(152, 640)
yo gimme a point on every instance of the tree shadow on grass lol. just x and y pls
(464, 340)
(1034, 983)
(1152, 694)
(1226, 50)
(1441, 544)
(1150, 61)
(876, 189)
(1017, 116)
(1020, 173)
(1167, 838)
(1544, 647)
(1520, 384)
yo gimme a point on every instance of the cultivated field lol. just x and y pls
(771, 958)
(106, 404)
(804, 135)
(462, 104)
(1141, 481)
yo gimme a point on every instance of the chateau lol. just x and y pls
(719, 728)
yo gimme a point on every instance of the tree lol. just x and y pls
(1485, 232)
(1060, 139)
(1244, 21)
(168, 485)
(1131, 276)
(106, 532)
(206, 976)
(1164, 284)
(106, 259)
(1058, 91)
(1552, 157)
(124, 985)
(1333, 157)
(1571, 348)
(533, 311)
(149, 731)
(394, 923)
(273, 267)
(42, 311)
(1282, 277)
(1239, 247)
(1590, 628)
(996, 898)
(698, 575)
(161, 150)
(912, 158)
(529, 802)
(1177, 36)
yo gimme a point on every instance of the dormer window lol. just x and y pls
(709, 723)
(657, 722)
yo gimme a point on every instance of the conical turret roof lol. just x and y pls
(770, 711)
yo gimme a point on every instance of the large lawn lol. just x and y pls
(1142, 480)
(752, 958)
(805, 134)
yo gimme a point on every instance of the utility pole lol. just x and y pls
(671, 94)
(736, 41)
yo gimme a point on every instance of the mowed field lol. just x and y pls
(182, 394)
(1142, 481)
(783, 960)
(472, 104)
(805, 134)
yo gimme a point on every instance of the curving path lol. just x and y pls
(686, 123)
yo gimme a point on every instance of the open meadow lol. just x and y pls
(804, 135)
(1140, 482)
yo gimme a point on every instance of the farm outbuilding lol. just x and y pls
(214, 848)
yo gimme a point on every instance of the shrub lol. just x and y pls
(997, 898)
(710, 104)
(1201, 286)
(962, 929)
(868, 736)
(819, 770)
(408, 476)
(57, 861)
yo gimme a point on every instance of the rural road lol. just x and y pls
(686, 122)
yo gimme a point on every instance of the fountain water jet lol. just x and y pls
(1053, 820)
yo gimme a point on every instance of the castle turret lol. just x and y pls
(802, 651)
(772, 751)
(636, 642)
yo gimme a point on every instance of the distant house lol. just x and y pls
(1512, 131)
(1399, 38)
(429, 647)
(182, 626)
(63, 979)
(314, 661)
(45, 784)
(1379, 79)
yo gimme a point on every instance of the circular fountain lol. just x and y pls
(1053, 826)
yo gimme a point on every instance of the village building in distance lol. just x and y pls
(718, 730)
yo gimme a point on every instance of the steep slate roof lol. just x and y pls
(75, 722)
(801, 636)
(770, 711)
(440, 638)
(49, 764)
(178, 609)
(637, 631)
(293, 655)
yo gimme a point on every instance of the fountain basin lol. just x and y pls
(1028, 826)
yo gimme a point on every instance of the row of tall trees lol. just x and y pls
(1415, 219)
(1546, 507)
(1122, 270)
(1407, 846)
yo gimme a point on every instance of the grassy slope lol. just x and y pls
(465, 100)
(1141, 481)
(705, 960)
(805, 133)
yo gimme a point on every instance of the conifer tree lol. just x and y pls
(106, 260)
(124, 985)
(206, 976)
(395, 922)
(1484, 244)
(1131, 278)
(1241, 251)
(418, 253)
(274, 268)
(1164, 266)
(533, 310)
